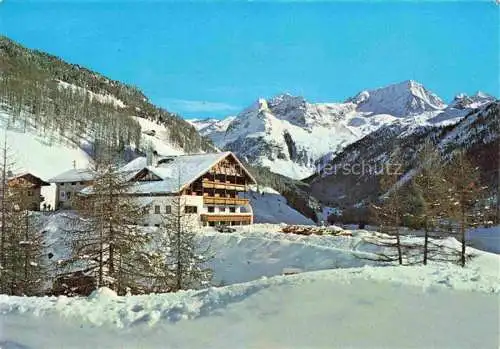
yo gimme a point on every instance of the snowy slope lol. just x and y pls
(45, 158)
(289, 135)
(157, 136)
(269, 206)
(105, 99)
(391, 307)
(263, 250)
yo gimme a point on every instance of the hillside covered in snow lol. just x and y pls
(76, 103)
(289, 135)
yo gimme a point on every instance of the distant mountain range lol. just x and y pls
(293, 137)
(476, 133)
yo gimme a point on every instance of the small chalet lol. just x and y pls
(32, 184)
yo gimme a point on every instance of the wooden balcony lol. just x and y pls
(223, 185)
(236, 217)
(210, 200)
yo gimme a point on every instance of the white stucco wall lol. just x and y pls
(154, 218)
(163, 201)
(63, 188)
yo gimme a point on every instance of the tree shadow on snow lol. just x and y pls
(12, 345)
(208, 302)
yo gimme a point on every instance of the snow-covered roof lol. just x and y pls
(179, 172)
(30, 178)
(74, 175)
(174, 175)
(135, 165)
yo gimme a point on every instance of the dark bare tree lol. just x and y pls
(186, 261)
(467, 195)
(111, 242)
(432, 190)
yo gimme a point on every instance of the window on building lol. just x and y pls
(145, 210)
(62, 184)
(222, 209)
(68, 195)
(168, 209)
(190, 209)
(82, 183)
(63, 195)
(232, 209)
(73, 183)
(157, 209)
(211, 209)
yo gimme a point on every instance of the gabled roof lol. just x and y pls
(174, 175)
(135, 165)
(30, 178)
(179, 172)
(74, 175)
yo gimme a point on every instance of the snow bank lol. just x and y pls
(244, 257)
(104, 307)
(102, 293)
(263, 250)
(390, 306)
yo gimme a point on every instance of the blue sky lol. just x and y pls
(212, 59)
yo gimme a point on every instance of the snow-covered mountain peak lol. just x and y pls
(262, 104)
(464, 101)
(290, 135)
(481, 94)
(200, 124)
(402, 99)
(283, 107)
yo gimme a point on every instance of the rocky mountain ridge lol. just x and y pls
(292, 137)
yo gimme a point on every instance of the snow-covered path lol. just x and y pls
(359, 308)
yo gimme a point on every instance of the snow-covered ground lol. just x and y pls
(392, 307)
(338, 300)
